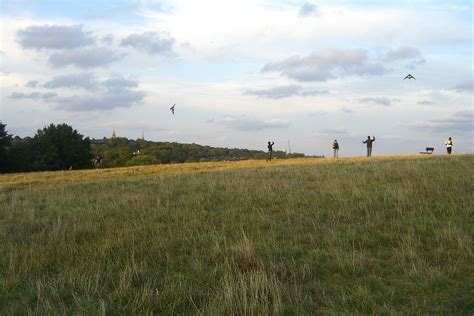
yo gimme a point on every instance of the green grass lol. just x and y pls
(355, 236)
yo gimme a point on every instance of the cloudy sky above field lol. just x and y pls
(243, 72)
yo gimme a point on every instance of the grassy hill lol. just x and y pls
(300, 236)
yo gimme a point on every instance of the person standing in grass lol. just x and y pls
(369, 142)
(97, 161)
(270, 151)
(449, 145)
(335, 147)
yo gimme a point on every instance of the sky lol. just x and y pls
(243, 72)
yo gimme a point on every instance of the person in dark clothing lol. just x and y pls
(97, 161)
(335, 146)
(369, 142)
(270, 150)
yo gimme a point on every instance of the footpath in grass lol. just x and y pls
(350, 236)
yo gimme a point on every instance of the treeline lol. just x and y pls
(120, 151)
(60, 147)
(55, 147)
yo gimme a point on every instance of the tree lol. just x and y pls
(5, 143)
(60, 147)
(21, 154)
(142, 160)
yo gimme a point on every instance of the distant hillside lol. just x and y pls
(60, 147)
(121, 151)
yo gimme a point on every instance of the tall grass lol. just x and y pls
(350, 236)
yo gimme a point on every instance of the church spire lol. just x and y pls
(113, 134)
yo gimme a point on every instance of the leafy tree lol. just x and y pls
(60, 147)
(120, 151)
(142, 160)
(21, 154)
(5, 143)
(124, 154)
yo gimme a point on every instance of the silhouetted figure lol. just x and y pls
(449, 145)
(270, 151)
(97, 161)
(335, 147)
(409, 76)
(369, 142)
(172, 108)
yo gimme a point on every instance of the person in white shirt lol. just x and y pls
(449, 145)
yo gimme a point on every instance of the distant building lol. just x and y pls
(113, 134)
(99, 141)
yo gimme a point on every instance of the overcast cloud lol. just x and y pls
(85, 58)
(326, 64)
(151, 43)
(377, 101)
(280, 92)
(85, 81)
(403, 52)
(54, 37)
(33, 95)
(95, 95)
(462, 121)
(244, 123)
(100, 101)
(308, 9)
(32, 84)
(465, 86)
(112, 93)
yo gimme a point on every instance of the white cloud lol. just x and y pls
(244, 123)
(215, 28)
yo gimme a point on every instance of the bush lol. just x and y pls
(143, 160)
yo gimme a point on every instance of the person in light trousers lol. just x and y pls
(369, 142)
(335, 147)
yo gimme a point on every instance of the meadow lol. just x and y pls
(385, 235)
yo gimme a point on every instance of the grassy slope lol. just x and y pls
(359, 236)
